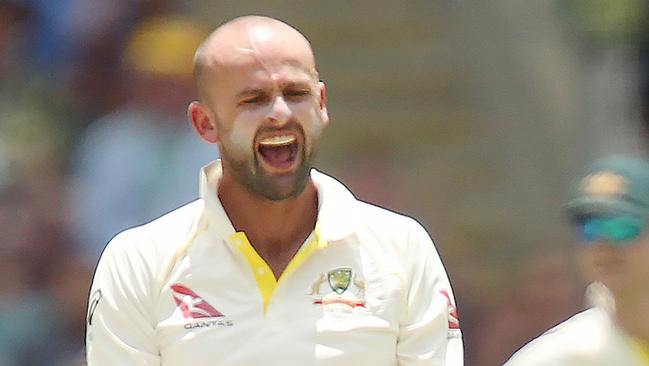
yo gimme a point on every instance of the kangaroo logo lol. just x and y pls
(192, 305)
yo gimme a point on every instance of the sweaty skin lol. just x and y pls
(268, 64)
(262, 101)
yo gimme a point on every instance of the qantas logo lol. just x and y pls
(192, 305)
(453, 318)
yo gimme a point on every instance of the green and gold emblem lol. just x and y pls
(339, 279)
(604, 184)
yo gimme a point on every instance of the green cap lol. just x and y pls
(617, 185)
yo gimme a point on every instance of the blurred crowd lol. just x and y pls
(93, 139)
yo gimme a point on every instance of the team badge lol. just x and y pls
(347, 290)
(604, 184)
(339, 279)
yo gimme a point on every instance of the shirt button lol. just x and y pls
(261, 270)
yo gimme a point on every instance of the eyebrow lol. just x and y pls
(297, 85)
(250, 91)
(288, 85)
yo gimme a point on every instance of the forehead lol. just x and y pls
(258, 51)
(246, 68)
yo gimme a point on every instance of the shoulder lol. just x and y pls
(577, 339)
(392, 227)
(150, 246)
(341, 208)
(395, 238)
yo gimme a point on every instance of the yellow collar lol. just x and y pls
(641, 348)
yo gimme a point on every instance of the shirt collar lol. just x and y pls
(336, 208)
(214, 212)
(335, 204)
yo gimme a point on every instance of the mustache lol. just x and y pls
(288, 127)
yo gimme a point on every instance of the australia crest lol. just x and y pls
(338, 287)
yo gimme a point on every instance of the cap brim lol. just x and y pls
(592, 206)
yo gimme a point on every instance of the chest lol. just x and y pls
(340, 307)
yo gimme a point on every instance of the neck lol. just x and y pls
(276, 229)
(630, 314)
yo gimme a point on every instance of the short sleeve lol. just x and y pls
(119, 329)
(429, 332)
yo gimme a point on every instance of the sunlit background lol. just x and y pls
(474, 116)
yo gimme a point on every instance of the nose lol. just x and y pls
(280, 112)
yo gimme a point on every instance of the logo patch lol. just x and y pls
(347, 290)
(453, 318)
(192, 305)
(92, 305)
(604, 184)
(196, 308)
(339, 279)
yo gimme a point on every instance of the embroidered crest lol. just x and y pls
(339, 279)
(347, 289)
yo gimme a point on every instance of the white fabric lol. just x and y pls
(398, 280)
(589, 338)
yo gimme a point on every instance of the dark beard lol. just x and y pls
(257, 182)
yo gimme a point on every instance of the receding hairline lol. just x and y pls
(200, 63)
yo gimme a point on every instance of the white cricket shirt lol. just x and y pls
(366, 288)
(590, 338)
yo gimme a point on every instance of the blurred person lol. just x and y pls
(643, 80)
(65, 346)
(97, 31)
(611, 211)
(16, 19)
(66, 29)
(276, 263)
(137, 162)
(30, 244)
(544, 291)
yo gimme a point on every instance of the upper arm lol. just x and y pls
(120, 329)
(429, 331)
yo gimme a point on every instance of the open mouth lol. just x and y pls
(278, 152)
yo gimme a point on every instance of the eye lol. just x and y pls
(252, 100)
(296, 93)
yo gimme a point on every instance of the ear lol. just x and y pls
(324, 114)
(200, 119)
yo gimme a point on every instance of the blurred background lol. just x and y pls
(474, 116)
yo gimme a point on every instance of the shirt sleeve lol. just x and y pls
(119, 329)
(553, 349)
(429, 332)
(528, 356)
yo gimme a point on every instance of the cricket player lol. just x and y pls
(276, 263)
(611, 211)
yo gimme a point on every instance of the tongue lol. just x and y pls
(276, 155)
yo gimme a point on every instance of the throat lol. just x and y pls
(278, 255)
(275, 229)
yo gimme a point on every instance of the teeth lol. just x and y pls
(277, 140)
